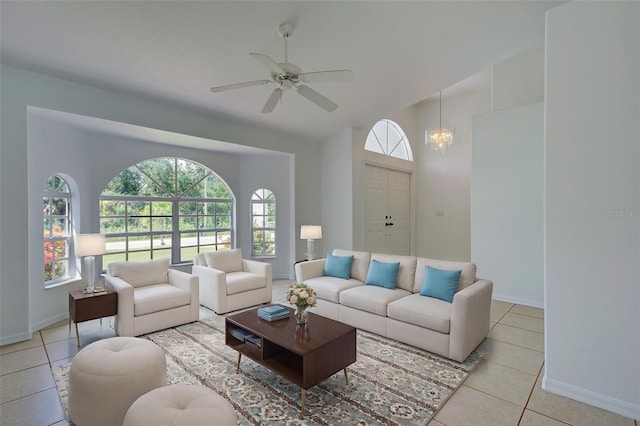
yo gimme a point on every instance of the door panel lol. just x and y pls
(399, 205)
(387, 211)
(375, 209)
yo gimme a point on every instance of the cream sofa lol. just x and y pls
(151, 296)
(452, 330)
(228, 282)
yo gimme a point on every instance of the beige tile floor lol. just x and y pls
(503, 390)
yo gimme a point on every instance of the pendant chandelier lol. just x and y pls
(441, 138)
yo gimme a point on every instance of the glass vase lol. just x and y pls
(301, 315)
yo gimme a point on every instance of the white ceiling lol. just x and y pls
(174, 51)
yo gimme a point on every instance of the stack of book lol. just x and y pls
(273, 313)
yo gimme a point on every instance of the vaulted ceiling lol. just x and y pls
(175, 51)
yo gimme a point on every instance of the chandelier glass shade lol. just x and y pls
(440, 138)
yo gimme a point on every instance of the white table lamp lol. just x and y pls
(89, 246)
(310, 233)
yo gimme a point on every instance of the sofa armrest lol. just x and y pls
(124, 319)
(470, 318)
(213, 287)
(190, 284)
(309, 269)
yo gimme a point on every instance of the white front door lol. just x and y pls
(387, 207)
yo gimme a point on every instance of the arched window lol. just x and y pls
(56, 221)
(386, 137)
(263, 223)
(166, 208)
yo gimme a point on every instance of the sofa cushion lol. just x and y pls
(440, 284)
(140, 273)
(371, 299)
(383, 274)
(360, 264)
(158, 297)
(329, 288)
(225, 260)
(467, 276)
(406, 272)
(426, 312)
(337, 266)
(239, 282)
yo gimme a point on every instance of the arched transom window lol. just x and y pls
(166, 208)
(386, 137)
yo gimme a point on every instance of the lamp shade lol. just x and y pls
(310, 232)
(90, 244)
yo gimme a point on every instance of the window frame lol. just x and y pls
(52, 191)
(265, 201)
(381, 142)
(154, 248)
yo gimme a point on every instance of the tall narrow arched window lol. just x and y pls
(166, 208)
(263, 223)
(56, 221)
(387, 138)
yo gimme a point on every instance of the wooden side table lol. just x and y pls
(88, 306)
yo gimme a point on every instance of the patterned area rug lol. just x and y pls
(390, 383)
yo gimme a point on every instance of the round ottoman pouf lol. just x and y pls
(107, 376)
(181, 404)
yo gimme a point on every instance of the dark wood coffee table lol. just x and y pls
(303, 355)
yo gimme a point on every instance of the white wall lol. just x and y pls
(519, 80)
(444, 181)
(506, 202)
(20, 89)
(592, 204)
(336, 190)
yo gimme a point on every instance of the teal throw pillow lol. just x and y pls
(337, 266)
(383, 274)
(440, 284)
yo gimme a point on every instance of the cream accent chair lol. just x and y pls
(151, 296)
(228, 282)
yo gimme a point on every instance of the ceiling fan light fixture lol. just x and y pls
(288, 76)
(441, 138)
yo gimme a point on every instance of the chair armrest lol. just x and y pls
(189, 283)
(183, 280)
(470, 318)
(124, 319)
(309, 269)
(260, 268)
(255, 267)
(213, 287)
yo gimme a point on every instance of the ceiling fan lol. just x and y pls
(288, 76)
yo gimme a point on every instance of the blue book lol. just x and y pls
(273, 317)
(273, 310)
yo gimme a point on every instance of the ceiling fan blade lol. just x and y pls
(269, 63)
(273, 100)
(317, 98)
(327, 76)
(239, 85)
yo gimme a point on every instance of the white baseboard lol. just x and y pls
(592, 398)
(281, 277)
(518, 301)
(49, 321)
(15, 338)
